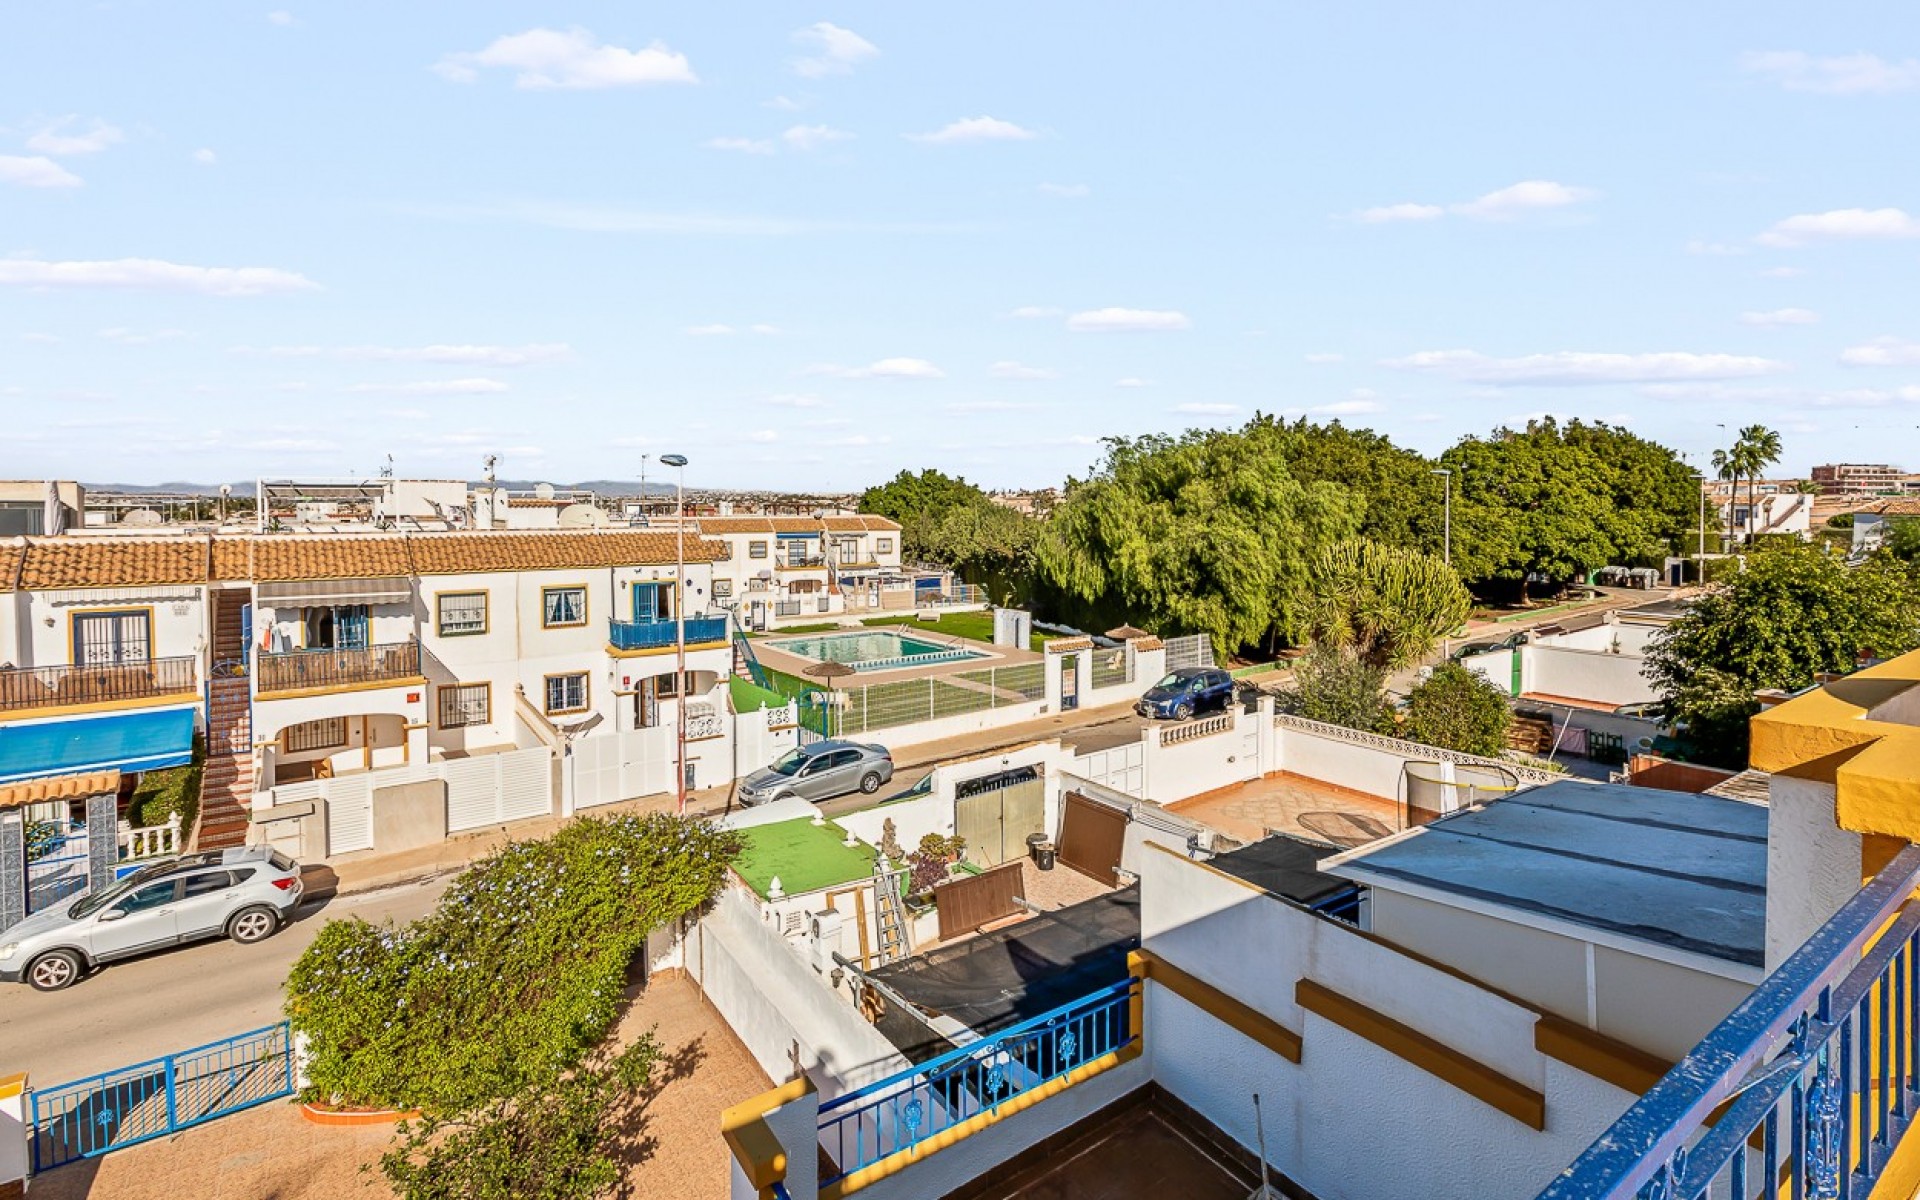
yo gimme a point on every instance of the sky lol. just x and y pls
(811, 245)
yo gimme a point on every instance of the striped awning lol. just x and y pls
(291, 593)
(64, 787)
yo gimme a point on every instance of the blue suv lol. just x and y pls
(1186, 692)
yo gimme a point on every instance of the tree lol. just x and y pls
(947, 520)
(1205, 533)
(1761, 449)
(920, 502)
(1388, 605)
(1404, 499)
(1333, 685)
(1458, 709)
(1900, 538)
(1793, 612)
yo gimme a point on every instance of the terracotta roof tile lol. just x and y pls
(881, 524)
(13, 555)
(75, 562)
(457, 553)
(845, 524)
(232, 559)
(734, 524)
(318, 556)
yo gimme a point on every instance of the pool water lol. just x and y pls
(877, 650)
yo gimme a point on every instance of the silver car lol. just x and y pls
(245, 893)
(818, 771)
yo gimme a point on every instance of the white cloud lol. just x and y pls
(1324, 359)
(710, 330)
(36, 172)
(1132, 382)
(280, 17)
(980, 406)
(975, 129)
(741, 145)
(1883, 352)
(1035, 312)
(796, 400)
(652, 222)
(1384, 213)
(833, 50)
(1868, 397)
(205, 157)
(763, 435)
(434, 387)
(1838, 75)
(812, 137)
(1014, 370)
(1780, 316)
(1066, 191)
(1842, 224)
(1127, 320)
(782, 103)
(1714, 249)
(1503, 204)
(886, 368)
(1569, 367)
(569, 59)
(154, 274)
(53, 138)
(1207, 410)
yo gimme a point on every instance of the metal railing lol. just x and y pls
(799, 562)
(295, 669)
(867, 707)
(918, 1105)
(53, 687)
(959, 593)
(116, 1109)
(1817, 1069)
(652, 635)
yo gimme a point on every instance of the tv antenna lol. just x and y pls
(386, 472)
(492, 460)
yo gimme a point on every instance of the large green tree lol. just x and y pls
(1561, 500)
(920, 502)
(1403, 496)
(1792, 612)
(1204, 533)
(945, 519)
(1387, 604)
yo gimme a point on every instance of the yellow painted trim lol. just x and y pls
(586, 605)
(754, 1145)
(651, 651)
(12, 1085)
(1217, 1004)
(1826, 735)
(895, 1163)
(1900, 1178)
(1443, 1062)
(93, 706)
(439, 712)
(73, 646)
(586, 694)
(1626, 1067)
(486, 613)
(378, 685)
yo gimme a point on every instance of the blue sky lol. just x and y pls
(808, 246)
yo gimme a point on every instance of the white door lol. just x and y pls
(349, 814)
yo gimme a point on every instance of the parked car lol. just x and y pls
(245, 893)
(1187, 691)
(815, 772)
(1488, 646)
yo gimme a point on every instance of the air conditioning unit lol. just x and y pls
(823, 930)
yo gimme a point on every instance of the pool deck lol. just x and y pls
(787, 663)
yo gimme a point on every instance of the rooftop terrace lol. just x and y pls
(805, 857)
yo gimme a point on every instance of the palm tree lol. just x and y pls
(1727, 465)
(1760, 448)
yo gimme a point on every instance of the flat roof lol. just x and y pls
(1287, 867)
(1674, 869)
(804, 856)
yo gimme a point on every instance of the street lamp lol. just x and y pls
(1446, 481)
(679, 463)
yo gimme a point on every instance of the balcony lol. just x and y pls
(305, 670)
(658, 635)
(23, 688)
(800, 562)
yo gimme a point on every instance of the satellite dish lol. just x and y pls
(581, 516)
(543, 491)
(143, 517)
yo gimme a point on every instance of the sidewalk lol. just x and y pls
(371, 870)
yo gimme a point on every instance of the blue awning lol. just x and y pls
(135, 741)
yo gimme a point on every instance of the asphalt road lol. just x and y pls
(147, 1007)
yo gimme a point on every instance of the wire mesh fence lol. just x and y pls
(859, 709)
(1112, 667)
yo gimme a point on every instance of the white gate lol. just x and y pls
(622, 766)
(349, 813)
(1122, 768)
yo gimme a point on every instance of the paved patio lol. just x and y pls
(272, 1153)
(1295, 804)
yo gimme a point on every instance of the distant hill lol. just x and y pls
(244, 487)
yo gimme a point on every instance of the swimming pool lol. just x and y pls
(876, 650)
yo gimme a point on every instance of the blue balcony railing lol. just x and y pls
(902, 1111)
(653, 635)
(1817, 1069)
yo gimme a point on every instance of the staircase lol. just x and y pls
(226, 785)
(745, 665)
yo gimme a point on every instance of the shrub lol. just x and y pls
(161, 794)
(509, 982)
(1335, 686)
(1457, 709)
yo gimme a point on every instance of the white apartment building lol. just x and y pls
(788, 570)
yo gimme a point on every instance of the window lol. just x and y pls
(567, 693)
(723, 589)
(669, 684)
(148, 898)
(883, 545)
(756, 549)
(562, 606)
(652, 603)
(464, 704)
(849, 550)
(335, 627)
(206, 885)
(106, 638)
(460, 613)
(315, 735)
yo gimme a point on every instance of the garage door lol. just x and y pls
(995, 823)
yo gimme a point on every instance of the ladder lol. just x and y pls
(890, 914)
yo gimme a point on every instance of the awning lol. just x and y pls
(135, 741)
(296, 592)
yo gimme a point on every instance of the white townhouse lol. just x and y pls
(790, 570)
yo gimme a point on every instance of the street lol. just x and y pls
(147, 1007)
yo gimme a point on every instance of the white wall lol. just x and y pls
(1203, 764)
(1346, 764)
(43, 630)
(1813, 865)
(1593, 675)
(945, 727)
(1495, 666)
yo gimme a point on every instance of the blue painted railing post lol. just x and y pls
(172, 1070)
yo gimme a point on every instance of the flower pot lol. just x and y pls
(347, 1116)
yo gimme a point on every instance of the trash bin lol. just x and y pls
(1034, 842)
(1043, 856)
